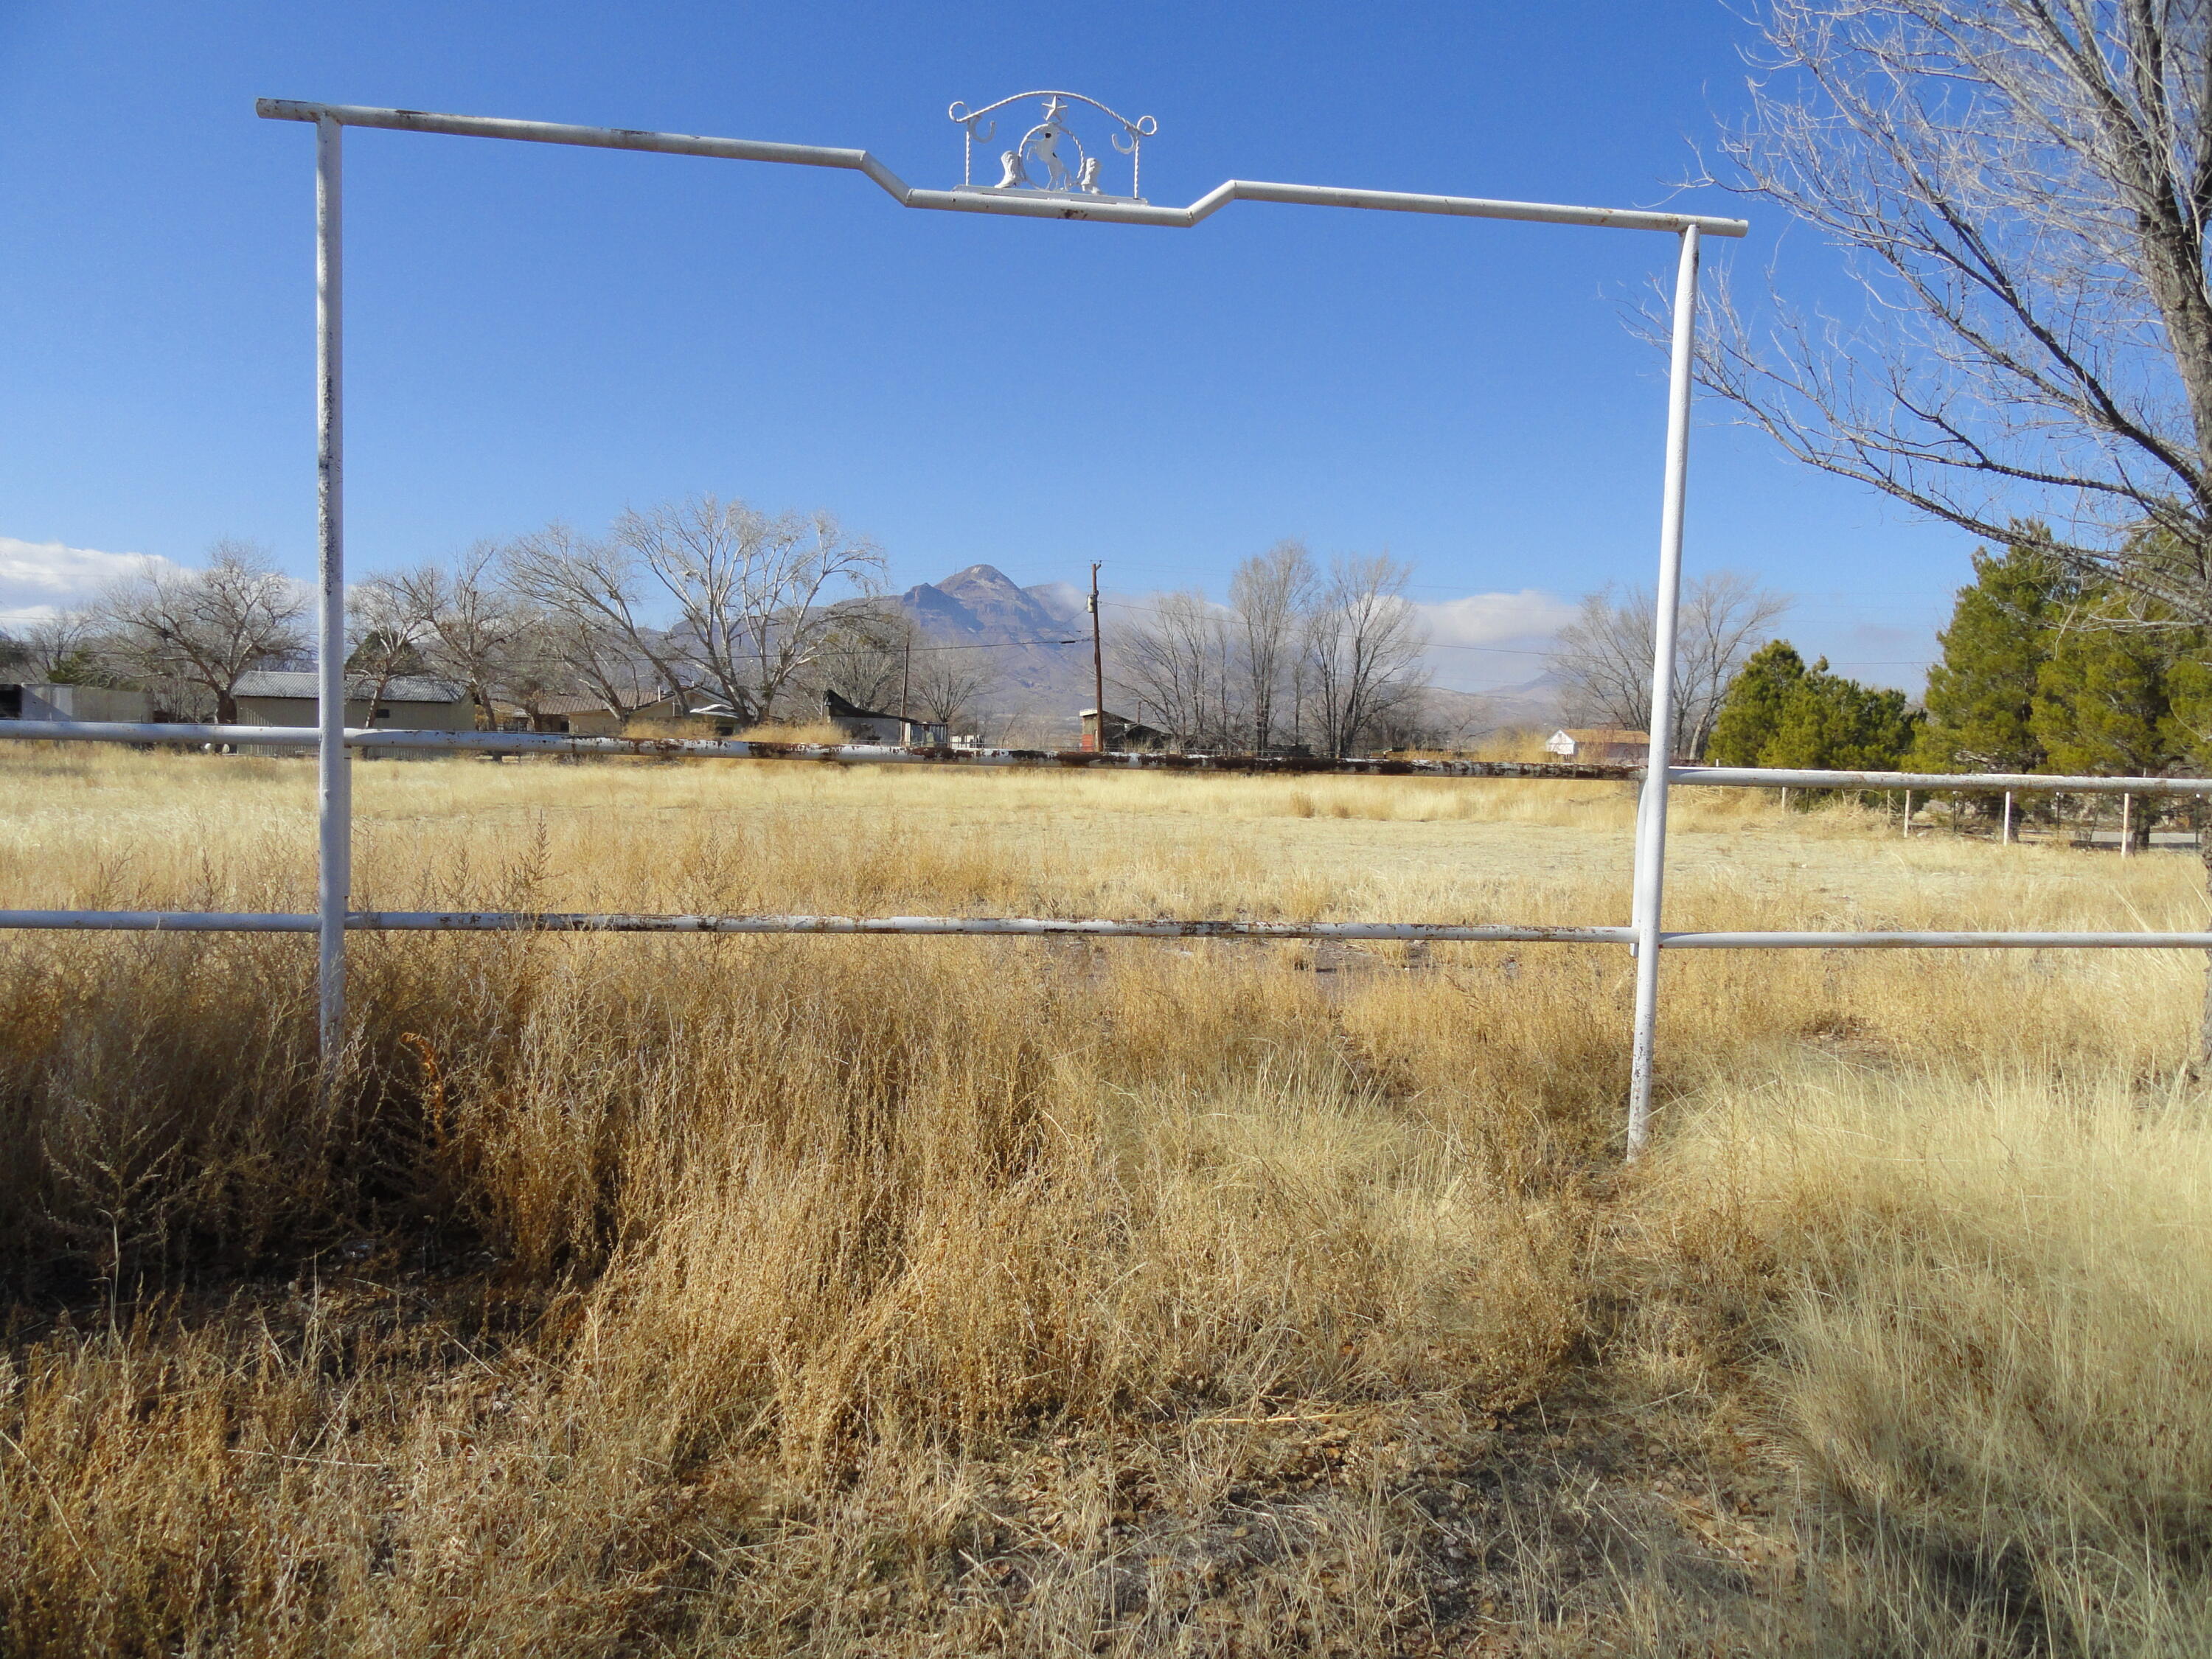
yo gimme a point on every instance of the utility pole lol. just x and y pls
(906, 678)
(1097, 664)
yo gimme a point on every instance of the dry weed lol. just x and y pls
(939, 1296)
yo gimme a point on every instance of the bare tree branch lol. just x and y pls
(469, 629)
(201, 631)
(1365, 646)
(594, 599)
(2020, 189)
(1271, 592)
(1603, 659)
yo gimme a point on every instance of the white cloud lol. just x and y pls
(38, 579)
(1529, 616)
(1486, 640)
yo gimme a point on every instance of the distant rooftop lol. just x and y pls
(405, 688)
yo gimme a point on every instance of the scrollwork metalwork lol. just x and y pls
(1042, 145)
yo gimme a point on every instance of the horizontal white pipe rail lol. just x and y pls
(502, 922)
(973, 200)
(1936, 941)
(843, 754)
(1736, 777)
(866, 754)
(573, 921)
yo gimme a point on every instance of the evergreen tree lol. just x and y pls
(2189, 707)
(1981, 697)
(2103, 701)
(1831, 722)
(1751, 708)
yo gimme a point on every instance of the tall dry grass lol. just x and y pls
(934, 1296)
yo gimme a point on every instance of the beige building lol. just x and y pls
(571, 716)
(73, 702)
(409, 703)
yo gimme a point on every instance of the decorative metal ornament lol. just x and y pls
(1067, 168)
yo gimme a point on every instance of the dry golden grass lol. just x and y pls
(904, 1296)
(822, 731)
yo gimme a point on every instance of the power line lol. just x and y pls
(996, 645)
(541, 658)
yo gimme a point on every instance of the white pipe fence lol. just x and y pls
(333, 741)
(837, 754)
(1410, 933)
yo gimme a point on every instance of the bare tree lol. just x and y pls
(1176, 662)
(63, 646)
(1270, 593)
(1603, 661)
(384, 634)
(699, 552)
(951, 683)
(592, 597)
(1364, 643)
(1428, 717)
(752, 592)
(869, 653)
(878, 657)
(198, 632)
(1603, 658)
(2022, 189)
(558, 655)
(467, 626)
(799, 563)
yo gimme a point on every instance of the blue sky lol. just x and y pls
(538, 333)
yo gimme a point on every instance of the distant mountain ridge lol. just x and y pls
(1532, 703)
(1043, 685)
(982, 605)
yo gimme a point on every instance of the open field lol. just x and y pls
(898, 1297)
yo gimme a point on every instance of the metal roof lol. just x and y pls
(407, 688)
(564, 704)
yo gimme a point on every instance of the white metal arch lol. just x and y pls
(334, 742)
(330, 121)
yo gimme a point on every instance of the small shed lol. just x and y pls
(866, 725)
(408, 704)
(1600, 745)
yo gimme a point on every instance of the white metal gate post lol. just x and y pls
(1651, 815)
(334, 760)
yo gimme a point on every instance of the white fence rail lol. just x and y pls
(835, 754)
(1408, 932)
(333, 742)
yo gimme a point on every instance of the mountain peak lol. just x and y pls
(980, 579)
(982, 602)
(982, 605)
